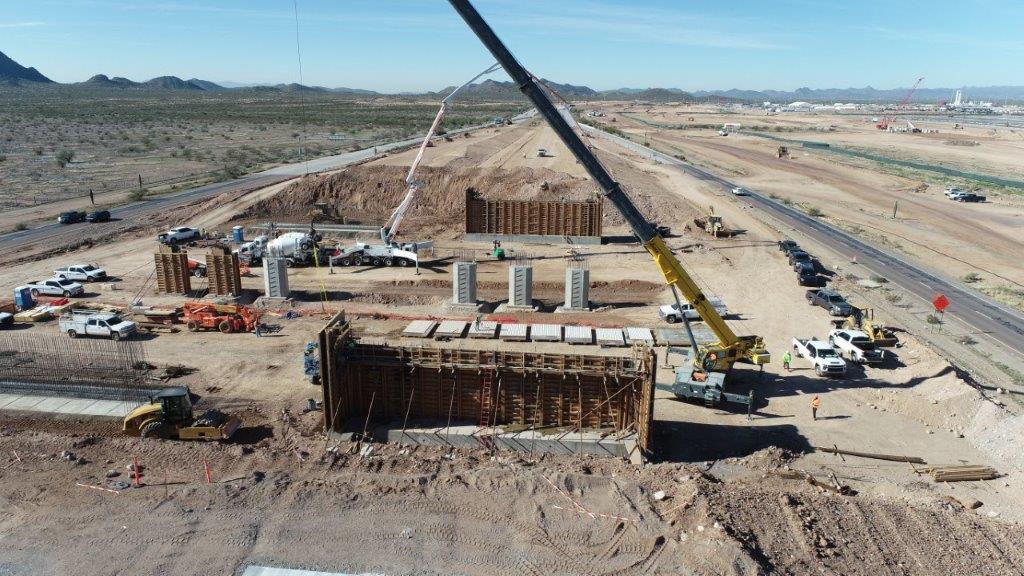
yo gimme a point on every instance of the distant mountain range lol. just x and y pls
(14, 74)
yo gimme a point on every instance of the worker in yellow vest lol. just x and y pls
(815, 404)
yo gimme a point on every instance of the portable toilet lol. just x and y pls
(238, 234)
(23, 298)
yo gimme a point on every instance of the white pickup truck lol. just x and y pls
(179, 234)
(86, 272)
(856, 345)
(104, 325)
(670, 312)
(56, 287)
(824, 358)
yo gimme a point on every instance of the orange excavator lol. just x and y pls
(226, 318)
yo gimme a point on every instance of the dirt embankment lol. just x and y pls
(368, 194)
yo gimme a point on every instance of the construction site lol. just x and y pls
(616, 337)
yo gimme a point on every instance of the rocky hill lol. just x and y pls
(14, 74)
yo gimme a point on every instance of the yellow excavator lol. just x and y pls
(703, 376)
(169, 415)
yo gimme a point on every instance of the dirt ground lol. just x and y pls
(285, 495)
(953, 238)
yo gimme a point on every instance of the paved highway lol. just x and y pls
(981, 313)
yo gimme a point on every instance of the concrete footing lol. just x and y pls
(469, 437)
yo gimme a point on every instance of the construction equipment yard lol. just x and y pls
(611, 338)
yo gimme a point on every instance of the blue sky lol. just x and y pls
(409, 45)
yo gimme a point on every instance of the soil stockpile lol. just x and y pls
(369, 194)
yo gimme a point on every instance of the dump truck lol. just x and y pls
(169, 415)
(226, 318)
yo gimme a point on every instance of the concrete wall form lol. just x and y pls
(224, 274)
(532, 217)
(172, 274)
(383, 383)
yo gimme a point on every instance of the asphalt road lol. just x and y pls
(977, 311)
(56, 232)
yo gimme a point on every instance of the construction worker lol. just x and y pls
(478, 318)
(259, 330)
(786, 359)
(815, 404)
(92, 198)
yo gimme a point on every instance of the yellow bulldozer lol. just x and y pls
(714, 225)
(863, 319)
(169, 415)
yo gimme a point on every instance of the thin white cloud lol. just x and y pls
(21, 24)
(630, 23)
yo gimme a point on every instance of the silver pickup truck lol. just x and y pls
(104, 325)
(56, 287)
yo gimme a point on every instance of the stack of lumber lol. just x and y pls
(37, 314)
(962, 473)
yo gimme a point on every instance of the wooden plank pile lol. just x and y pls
(172, 274)
(962, 473)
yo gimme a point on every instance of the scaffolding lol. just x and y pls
(366, 381)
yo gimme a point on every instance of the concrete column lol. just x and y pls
(275, 277)
(464, 283)
(577, 289)
(520, 285)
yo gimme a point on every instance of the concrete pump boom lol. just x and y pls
(711, 361)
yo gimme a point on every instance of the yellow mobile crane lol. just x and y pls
(707, 366)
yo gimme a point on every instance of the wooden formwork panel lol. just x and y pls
(533, 217)
(224, 274)
(172, 275)
(380, 383)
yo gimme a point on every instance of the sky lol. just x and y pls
(416, 45)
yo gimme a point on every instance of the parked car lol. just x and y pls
(801, 267)
(98, 216)
(86, 272)
(821, 355)
(670, 313)
(56, 287)
(740, 191)
(787, 246)
(857, 346)
(179, 234)
(969, 197)
(105, 325)
(797, 257)
(71, 217)
(808, 277)
(829, 300)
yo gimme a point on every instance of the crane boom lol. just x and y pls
(886, 121)
(730, 347)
